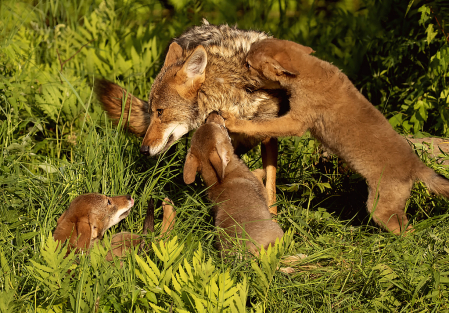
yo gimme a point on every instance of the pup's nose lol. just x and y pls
(145, 150)
(129, 198)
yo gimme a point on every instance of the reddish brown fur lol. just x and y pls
(242, 207)
(88, 217)
(324, 101)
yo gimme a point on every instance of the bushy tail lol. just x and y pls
(436, 183)
(112, 98)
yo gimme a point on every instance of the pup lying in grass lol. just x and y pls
(324, 101)
(90, 215)
(242, 208)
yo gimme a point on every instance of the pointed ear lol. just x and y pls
(192, 74)
(219, 159)
(81, 235)
(285, 67)
(190, 168)
(195, 65)
(173, 55)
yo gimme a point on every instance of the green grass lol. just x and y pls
(56, 143)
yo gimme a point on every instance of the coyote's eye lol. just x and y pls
(247, 65)
(109, 202)
(159, 112)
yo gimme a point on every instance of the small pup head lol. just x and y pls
(273, 58)
(89, 216)
(210, 151)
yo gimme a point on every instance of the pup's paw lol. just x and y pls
(230, 121)
(167, 207)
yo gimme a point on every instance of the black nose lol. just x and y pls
(145, 150)
(128, 197)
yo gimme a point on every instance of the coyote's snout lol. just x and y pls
(173, 99)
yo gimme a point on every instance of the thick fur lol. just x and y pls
(241, 209)
(324, 101)
(112, 97)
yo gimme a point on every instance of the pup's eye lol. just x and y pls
(159, 112)
(247, 65)
(109, 202)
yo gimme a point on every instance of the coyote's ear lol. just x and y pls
(173, 55)
(192, 74)
(219, 159)
(284, 67)
(196, 64)
(191, 167)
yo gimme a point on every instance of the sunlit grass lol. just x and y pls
(57, 145)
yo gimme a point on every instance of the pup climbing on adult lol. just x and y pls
(324, 101)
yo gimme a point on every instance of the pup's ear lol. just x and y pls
(301, 48)
(190, 168)
(219, 159)
(61, 218)
(284, 67)
(214, 117)
(64, 228)
(173, 55)
(81, 235)
(192, 74)
(282, 63)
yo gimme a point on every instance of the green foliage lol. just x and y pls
(408, 67)
(56, 143)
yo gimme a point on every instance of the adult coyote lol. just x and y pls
(203, 72)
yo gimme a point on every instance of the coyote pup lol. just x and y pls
(324, 101)
(242, 207)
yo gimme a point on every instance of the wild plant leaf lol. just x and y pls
(6, 301)
(148, 276)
